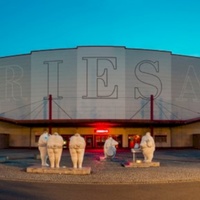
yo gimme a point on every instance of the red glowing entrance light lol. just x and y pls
(101, 131)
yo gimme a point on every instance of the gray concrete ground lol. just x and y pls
(176, 165)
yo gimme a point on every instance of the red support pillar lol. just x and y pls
(50, 112)
(151, 107)
(151, 113)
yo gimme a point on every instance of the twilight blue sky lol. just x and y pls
(169, 25)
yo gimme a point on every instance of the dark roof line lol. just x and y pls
(94, 122)
(88, 46)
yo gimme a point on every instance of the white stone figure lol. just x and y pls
(54, 148)
(147, 146)
(110, 147)
(42, 146)
(77, 149)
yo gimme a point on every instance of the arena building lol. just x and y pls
(100, 90)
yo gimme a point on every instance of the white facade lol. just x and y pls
(100, 83)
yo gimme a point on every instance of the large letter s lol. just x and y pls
(153, 83)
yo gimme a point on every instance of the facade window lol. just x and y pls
(160, 138)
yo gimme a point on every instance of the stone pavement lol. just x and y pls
(176, 165)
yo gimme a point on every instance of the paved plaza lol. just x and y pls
(176, 165)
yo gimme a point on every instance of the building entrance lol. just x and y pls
(94, 141)
(100, 140)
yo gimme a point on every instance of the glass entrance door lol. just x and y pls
(100, 140)
(89, 141)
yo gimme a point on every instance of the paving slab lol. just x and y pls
(61, 170)
(141, 164)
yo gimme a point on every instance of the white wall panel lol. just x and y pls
(100, 83)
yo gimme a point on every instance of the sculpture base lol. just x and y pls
(141, 164)
(61, 170)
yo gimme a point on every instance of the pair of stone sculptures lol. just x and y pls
(52, 146)
(147, 146)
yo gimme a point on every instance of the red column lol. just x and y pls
(151, 108)
(50, 112)
(151, 113)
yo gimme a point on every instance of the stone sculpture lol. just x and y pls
(54, 148)
(42, 146)
(147, 146)
(110, 147)
(77, 149)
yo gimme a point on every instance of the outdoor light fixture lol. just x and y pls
(101, 131)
